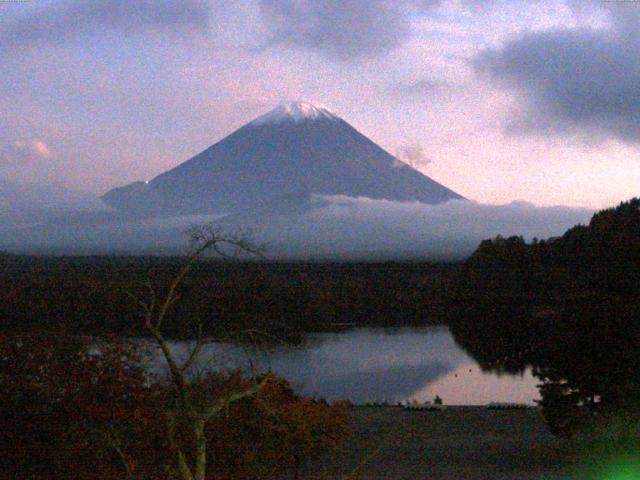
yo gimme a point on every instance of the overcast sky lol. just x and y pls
(498, 100)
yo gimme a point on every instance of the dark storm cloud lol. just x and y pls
(574, 79)
(64, 21)
(342, 29)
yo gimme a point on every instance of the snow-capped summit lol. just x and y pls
(296, 111)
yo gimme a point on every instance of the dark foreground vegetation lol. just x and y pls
(87, 295)
(569, 307)
(75, 409)
(90, 407)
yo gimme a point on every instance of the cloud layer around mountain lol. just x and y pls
(365, 228)
(337, 228)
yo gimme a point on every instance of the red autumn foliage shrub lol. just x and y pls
(273, 433)
(77, 407)
(70, 406)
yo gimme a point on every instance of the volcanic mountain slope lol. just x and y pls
(297, 150)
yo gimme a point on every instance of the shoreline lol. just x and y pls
(461, 442)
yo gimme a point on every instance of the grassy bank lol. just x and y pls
(459, 443)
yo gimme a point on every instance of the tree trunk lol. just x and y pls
(201, 448)
(183, 467)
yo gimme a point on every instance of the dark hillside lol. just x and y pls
(568, 306)
(86, 294)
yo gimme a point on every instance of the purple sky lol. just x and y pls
(499, 100)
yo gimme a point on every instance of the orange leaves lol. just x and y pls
(76, 398)
(75, 407)
(274, 433)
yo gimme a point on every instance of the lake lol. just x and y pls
(379, 364)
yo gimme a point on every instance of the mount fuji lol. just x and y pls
(298, 179)
(278, 162)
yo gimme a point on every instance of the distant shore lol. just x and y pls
(88, 295)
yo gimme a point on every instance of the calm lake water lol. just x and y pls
(376, 364)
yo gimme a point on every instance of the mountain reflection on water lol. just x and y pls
(379, 364)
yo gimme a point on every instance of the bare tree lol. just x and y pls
(194, 408)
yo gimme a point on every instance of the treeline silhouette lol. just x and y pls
(89, 295)
(567, 306)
